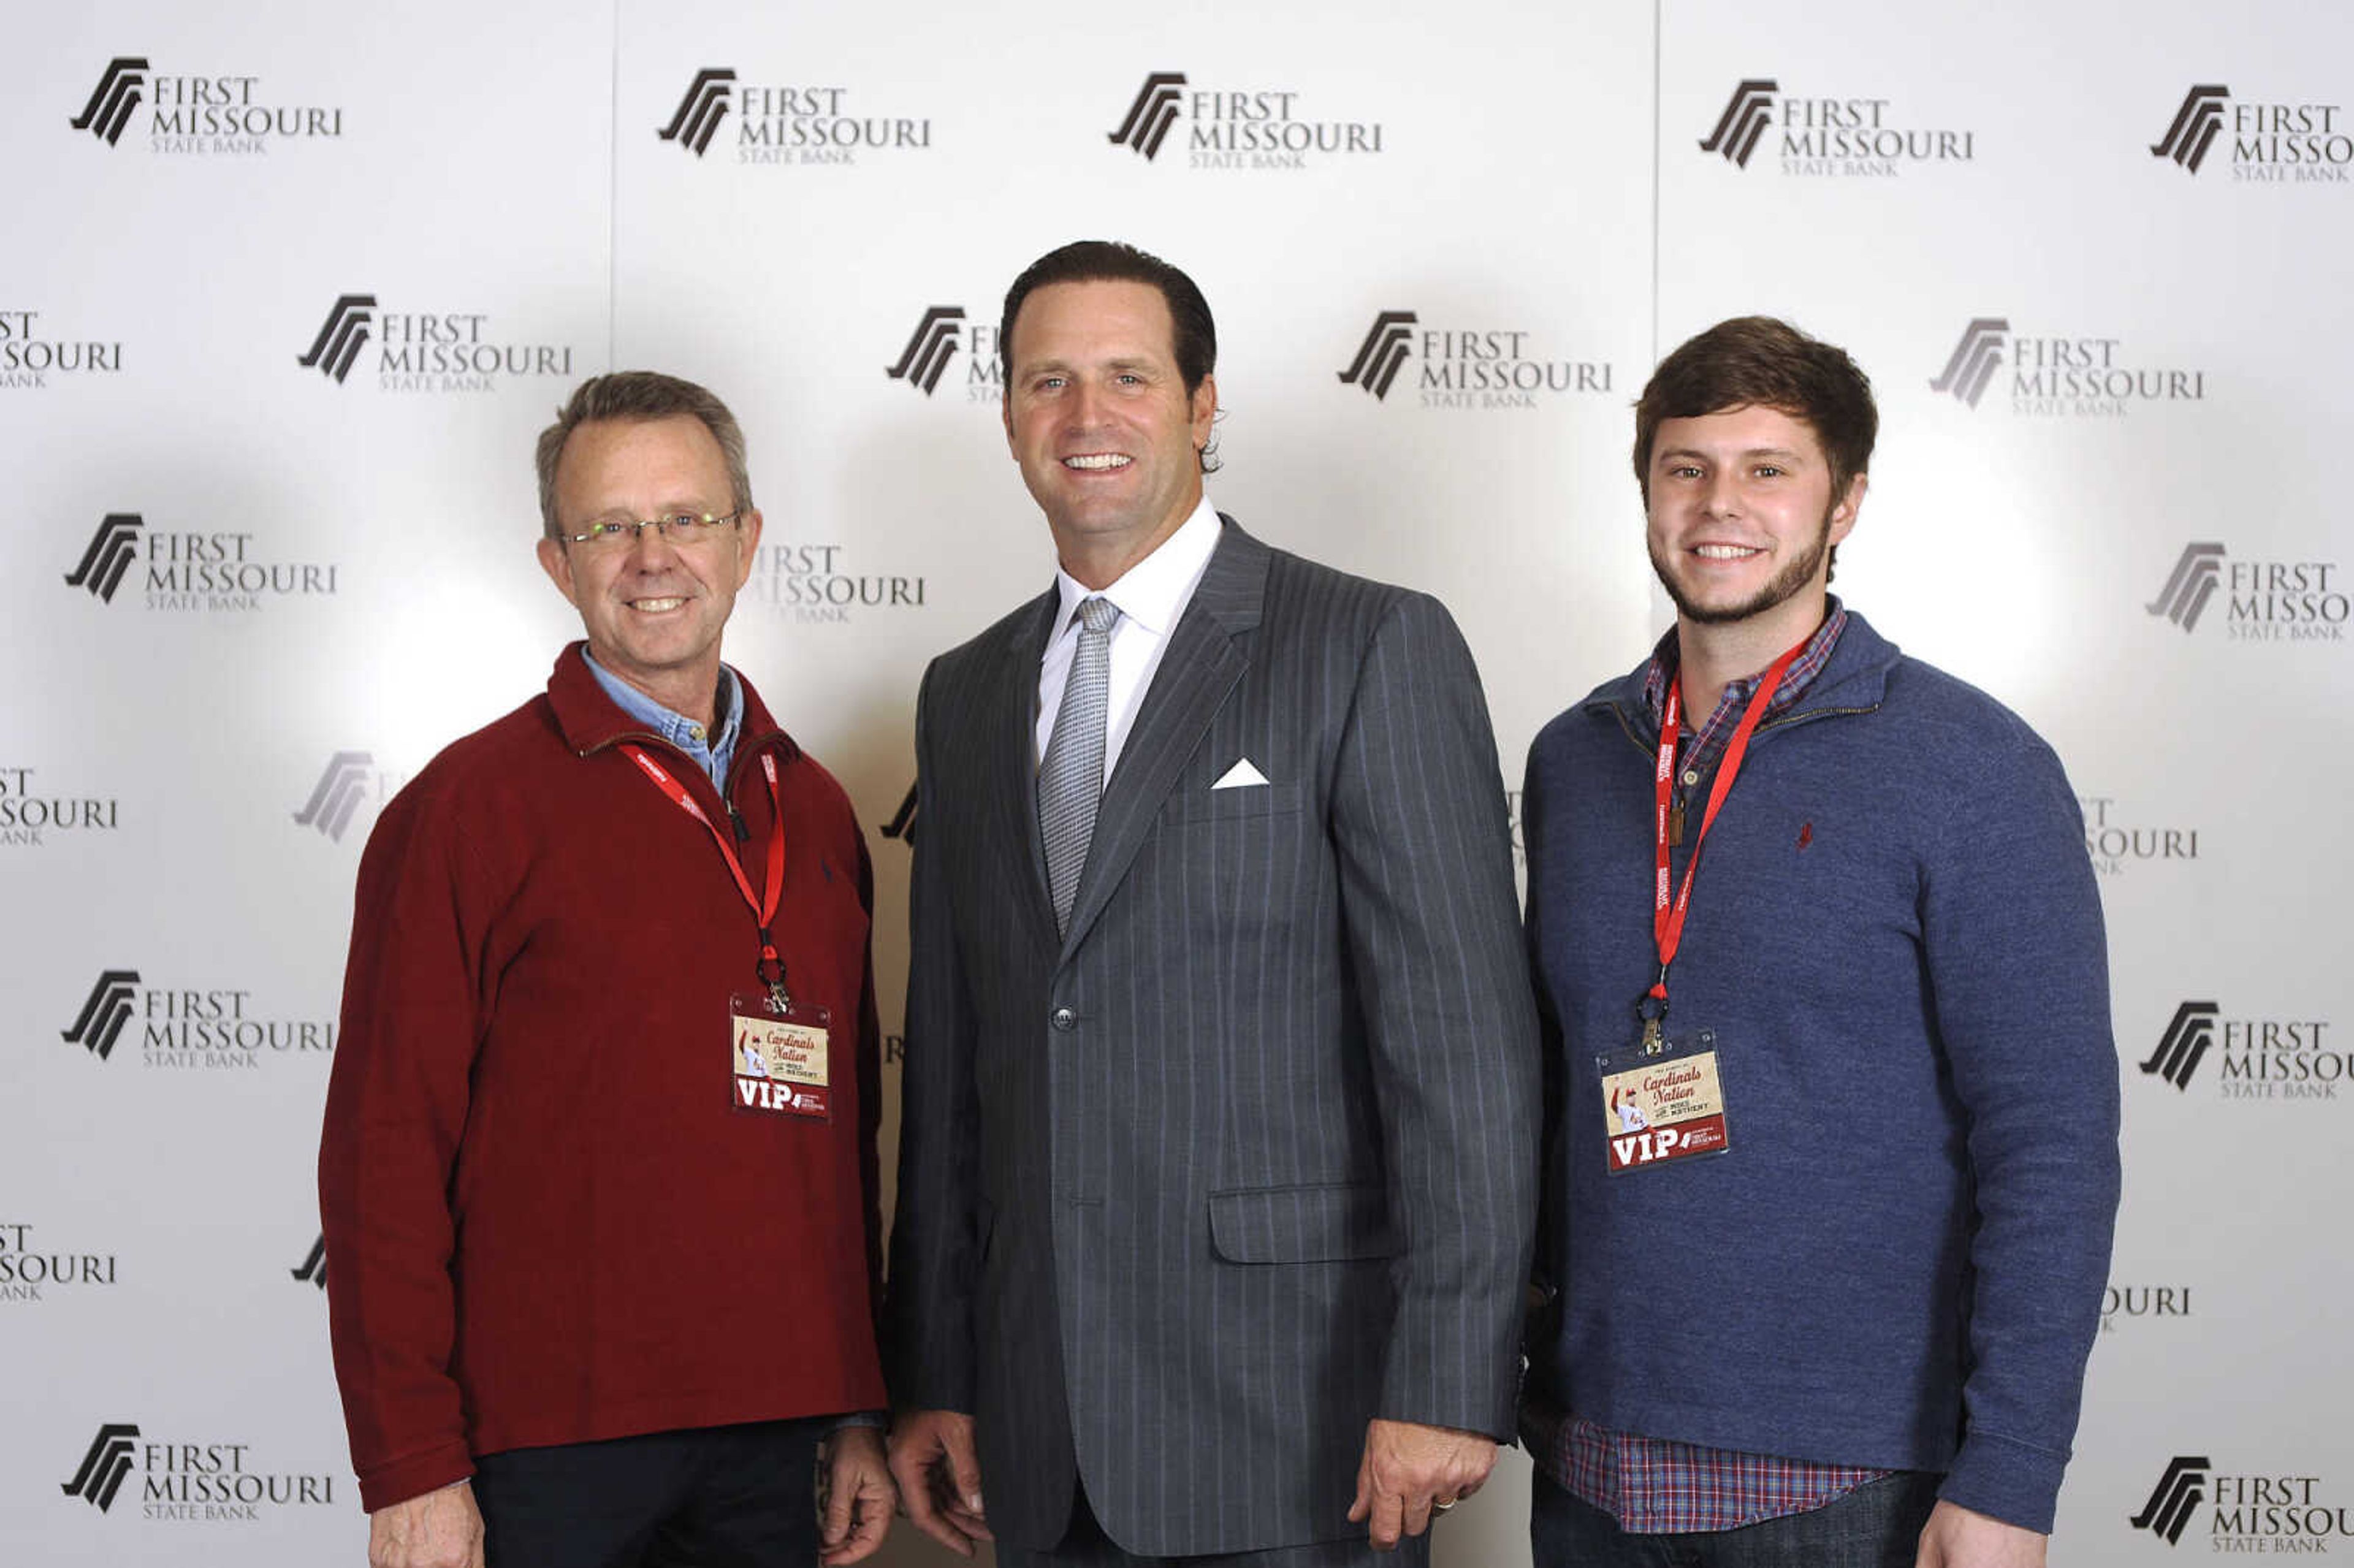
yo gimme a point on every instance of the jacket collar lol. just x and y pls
(1231, 592)
(1234, 586)
(590, 721)
(1205, 655)
(1856, 678)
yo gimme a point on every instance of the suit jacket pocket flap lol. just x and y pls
(1324, 1223)
(1240, 800)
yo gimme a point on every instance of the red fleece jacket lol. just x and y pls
(547, 1222)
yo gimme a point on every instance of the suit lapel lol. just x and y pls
(1014, 740)
(1201, 665)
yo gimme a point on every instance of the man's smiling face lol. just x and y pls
(1097, 415)
(653, 610)
(1742, 513)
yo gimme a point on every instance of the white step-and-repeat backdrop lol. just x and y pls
(289, 288)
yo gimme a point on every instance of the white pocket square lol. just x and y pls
(1241, 775)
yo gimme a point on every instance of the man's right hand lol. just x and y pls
(932, 1459)
(440, 1530)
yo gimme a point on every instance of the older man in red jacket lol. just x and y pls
(555, 1192)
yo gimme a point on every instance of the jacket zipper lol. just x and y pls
(744, 754)
(1676, 806)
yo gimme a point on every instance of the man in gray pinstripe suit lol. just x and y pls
(1217, 1160)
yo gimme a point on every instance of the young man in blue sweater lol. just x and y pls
(1831, 1153)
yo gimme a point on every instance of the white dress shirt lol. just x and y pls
(1149, 597)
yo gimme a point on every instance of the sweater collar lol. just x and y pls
(590, 720)
(1856, 677)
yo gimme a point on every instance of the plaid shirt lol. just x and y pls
(1697, 752)
(1653, 1485)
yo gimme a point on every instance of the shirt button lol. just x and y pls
(1692, 775)
(1064, 1019)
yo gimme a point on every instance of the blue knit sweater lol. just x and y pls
(1896, 937)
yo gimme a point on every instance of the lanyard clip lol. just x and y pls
(771, 971)
(1652, 1011)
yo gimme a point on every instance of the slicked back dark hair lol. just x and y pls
(1195, 334)
(637, 397)
(1757, 361)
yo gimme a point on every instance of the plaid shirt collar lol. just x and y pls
(1699, 748)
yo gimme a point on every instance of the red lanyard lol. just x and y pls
(1667, 919)
(764, 905)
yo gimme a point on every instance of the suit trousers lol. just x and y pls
(1878, 1525)
(1086, 1546)
(716, 1496)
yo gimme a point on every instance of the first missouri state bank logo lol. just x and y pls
(111, 1003)
(2279, 1057)
(1746, 115)
(111, 550)
(2196, 125)
(1383, 353)
(30, 352)
(104, 1466)
(1228, 128)
(208, 1481)
(183, 1025)
(2185, 1043)
(426, 351)
(1975, 359)
(2264, 602)
(2197, 572)
(701, 111)
(927, 358)
(2265, 1513)
(902, 823)
(2271, 143)
(1460, 367)
(929, 348)
(796, 124)
(118, 91)
(341, 338)
(2061, 373)
(1828, 137)
(30, 812)
(2179, 1491)
(350, 779)
(194, 570)
(1151, 115)
(216, 114)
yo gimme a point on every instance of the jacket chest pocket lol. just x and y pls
(1233, 804)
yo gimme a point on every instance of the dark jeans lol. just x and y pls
(1086, 1546)
(1877, 1525)
(716, 1496)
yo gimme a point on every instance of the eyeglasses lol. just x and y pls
(683, 529)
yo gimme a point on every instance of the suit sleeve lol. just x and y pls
(929, 1335)
(2011, 925)
(396, 1104)
(1435, 949)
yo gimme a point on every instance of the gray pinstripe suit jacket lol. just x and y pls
(1249, 1158)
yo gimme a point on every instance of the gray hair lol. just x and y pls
(635, 396)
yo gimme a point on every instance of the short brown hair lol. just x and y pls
(1193, 334)
(636, 396)
(1757, 361)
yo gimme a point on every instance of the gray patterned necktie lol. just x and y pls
(1071, 781)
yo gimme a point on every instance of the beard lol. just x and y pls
(1781, 586)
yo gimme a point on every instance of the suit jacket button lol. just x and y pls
(1064, 1019)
